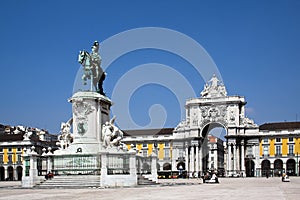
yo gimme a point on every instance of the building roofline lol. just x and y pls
(147, 132)
(277, 126)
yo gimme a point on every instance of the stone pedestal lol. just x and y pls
(154, 167)
(90, 111)
(30, 174)
(113, 175)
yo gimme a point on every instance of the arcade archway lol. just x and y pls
(10, 172)
(265, 167)
(2, 173)
(181, 166)
(291, 167)
(167, 166)
(19, 172)
(278, 167)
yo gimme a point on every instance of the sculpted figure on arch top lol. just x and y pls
(214, 88)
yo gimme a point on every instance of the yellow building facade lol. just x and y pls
(279, 148)
(13, 142)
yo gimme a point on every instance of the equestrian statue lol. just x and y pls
(92, 69)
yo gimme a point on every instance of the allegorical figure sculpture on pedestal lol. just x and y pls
(92, 69)
(112, 136)
(65, 138)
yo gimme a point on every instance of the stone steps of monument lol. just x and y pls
(145, 181)
(79, 181)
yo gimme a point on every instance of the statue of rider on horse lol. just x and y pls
(92, 69)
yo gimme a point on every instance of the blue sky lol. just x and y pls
(255, 45)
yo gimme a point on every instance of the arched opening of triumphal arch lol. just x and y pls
(213, 135)
(217, 129)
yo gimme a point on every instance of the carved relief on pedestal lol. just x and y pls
(66, 137)
(81, 110)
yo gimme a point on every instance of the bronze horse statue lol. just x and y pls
(91, 66)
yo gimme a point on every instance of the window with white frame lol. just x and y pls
(266, 150)
(249, 150)
(265, 140)
(167, 153)
(291, 148)
(145, 153)
(278, 149)
(181, 152)
(291, 139)
(167, 144)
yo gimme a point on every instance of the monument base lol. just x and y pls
(80, 152)
(118, 169)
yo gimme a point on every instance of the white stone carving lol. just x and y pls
(245, 121)
(214, 88)
(195, 119)
(112, 136)
(81, 110)
(214, 113)
(232, 116)
(182, 125)
(204, 112)
(65, 138)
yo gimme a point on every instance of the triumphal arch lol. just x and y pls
(214, 109)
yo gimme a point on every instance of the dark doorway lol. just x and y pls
(19, 172)
(167, 166)
(249, 168)
(278, 167)
(290, 167)
(265, 167)
(2, 173)
(181, 166)
(10, 171)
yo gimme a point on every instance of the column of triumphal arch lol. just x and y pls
(216, 109)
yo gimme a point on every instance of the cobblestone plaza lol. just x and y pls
(229, 188)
